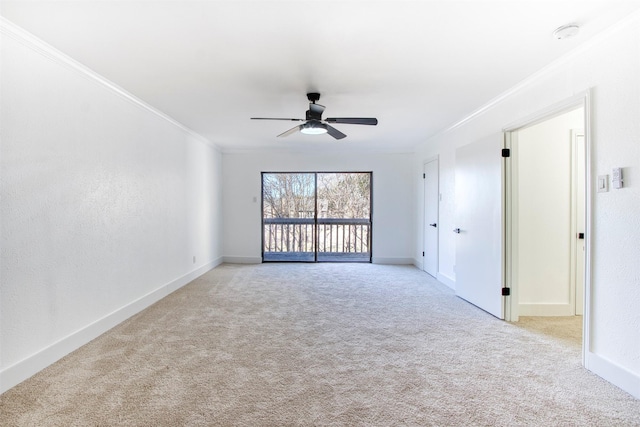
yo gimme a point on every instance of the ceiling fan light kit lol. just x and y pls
(313, 123)
(313, 128)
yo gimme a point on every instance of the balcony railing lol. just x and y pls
(296, 239)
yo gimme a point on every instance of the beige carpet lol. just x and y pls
(322, 344)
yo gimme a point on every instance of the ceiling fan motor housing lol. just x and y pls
(314, 115)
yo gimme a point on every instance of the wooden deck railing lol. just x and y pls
(337, 238)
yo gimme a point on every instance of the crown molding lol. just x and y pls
(553, 66)
(329, 148)
(13, 31)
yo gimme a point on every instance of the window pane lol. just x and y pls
(344, 216)
(288, 216)
(339, 231)
(344, 195)
(288, 195)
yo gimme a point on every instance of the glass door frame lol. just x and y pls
(317, 222)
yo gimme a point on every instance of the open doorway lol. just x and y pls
(548, 218)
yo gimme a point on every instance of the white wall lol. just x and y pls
(392, 198)
(105, 203)
(610, 66)
(542, 223)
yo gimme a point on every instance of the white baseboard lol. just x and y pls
(443, 278)
(417, 263)
(242, 260)
(22, 370)
(392, 261)
(615, 374)
(545, 310)
(374, 260)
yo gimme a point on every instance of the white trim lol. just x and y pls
(542, 310)
(436, 159)
(375, 260)
(319, 149)
(510, 227)
(615, 374)
(555, 65)
(581, 99)
(27, 39)
(242, 260)
(574, 102)
(22, 370)
(575, 209)
(588, 227)
(392, 261)
(446, 280)
(431, 158)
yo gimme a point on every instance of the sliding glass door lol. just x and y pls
(316, 216)
(288, 216)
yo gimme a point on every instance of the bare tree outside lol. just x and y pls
(344, 195)
(338, 230)
(288, 195)
(288, 213)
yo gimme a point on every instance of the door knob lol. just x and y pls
(433, 225)
(456, 230)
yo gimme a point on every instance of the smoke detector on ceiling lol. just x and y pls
(566, 31)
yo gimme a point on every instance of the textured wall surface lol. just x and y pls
(615, 130)
(392, 203)
(104, 201)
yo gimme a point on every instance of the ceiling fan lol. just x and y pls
(314, 125)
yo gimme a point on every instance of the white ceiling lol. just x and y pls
(418, 66)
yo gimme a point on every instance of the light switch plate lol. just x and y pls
(603, 183)
(616, 179)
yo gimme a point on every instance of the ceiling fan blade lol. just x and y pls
(290, 131)
(353, 120)
(271, 118)
(335, 132)
(316, 108)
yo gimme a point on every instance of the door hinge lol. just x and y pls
(424, 176)
(422, 253)
(506, 152)
(506, 292)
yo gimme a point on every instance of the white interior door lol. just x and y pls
(431, 200)
(479, 216)
(579, 203)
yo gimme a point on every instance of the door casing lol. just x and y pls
(583, 100)
(578, 191)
